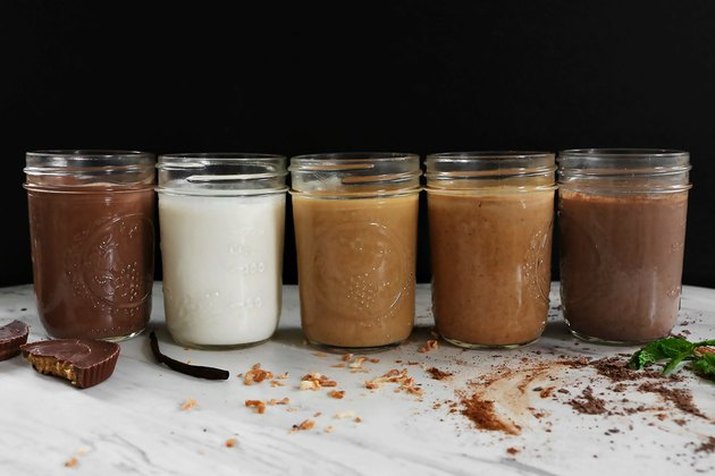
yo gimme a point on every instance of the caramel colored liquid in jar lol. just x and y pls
(491, 260)
(356, 261)
(621, 263)
(93, 261)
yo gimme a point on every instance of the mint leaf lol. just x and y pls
(668, 348)
(675, 361)
(674, 351)
(705, 365)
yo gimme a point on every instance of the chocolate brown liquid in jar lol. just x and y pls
(621, 263)
(93, 261)
(356, 261)
(491, 260)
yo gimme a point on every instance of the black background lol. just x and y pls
(417, 76)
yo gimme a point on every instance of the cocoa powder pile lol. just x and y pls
(482, 414)
(587, 403)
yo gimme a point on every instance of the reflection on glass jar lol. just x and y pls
(92, 231)
(356, 233)
(490, 221)
(622, 218)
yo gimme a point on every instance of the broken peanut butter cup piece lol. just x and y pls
(84, 362)
(12, 336)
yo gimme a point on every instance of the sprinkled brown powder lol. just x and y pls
(482, 414)
(617, 370)
(546, 392)
(708, 445)
(588, 404)
(681, 398)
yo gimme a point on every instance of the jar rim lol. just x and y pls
(353, 157)
(88, 154)
(220, 156)
(626, 153)
(483, 155)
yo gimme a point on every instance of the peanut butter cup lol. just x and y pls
(84, 362)
(12, 336)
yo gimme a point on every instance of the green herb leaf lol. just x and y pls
(705, 365)
(675, 361)
(674, 351)
(668, 348)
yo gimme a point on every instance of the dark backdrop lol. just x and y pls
(414, 76)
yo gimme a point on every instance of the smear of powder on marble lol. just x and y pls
(509, 383)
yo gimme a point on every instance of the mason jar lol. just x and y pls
(622, 218)
(92, 232)
(490, 224)
(221, 219)
(355, 220)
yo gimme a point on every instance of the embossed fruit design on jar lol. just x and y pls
(92, 232)
(490, 220)
(221, 219)
(356, 232)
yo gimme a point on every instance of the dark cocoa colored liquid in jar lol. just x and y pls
(92, 243)
(621, 264)
(92, 262)
(622, 215)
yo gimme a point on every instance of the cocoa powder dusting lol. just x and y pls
(587, 403)
(681, 398)
(617, 370)
(482, 414)
(708, 445)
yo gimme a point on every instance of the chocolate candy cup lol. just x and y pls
(12, 336)
(84, 362)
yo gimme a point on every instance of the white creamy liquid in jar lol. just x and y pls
(222, 267)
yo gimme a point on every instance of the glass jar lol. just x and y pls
(622, 219)
(221, 218)
(356, 234)
(92, 232)
(490, 224)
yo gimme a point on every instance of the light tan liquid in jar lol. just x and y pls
(491, 262)
(356, 262)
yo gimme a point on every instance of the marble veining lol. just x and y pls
(133, 423)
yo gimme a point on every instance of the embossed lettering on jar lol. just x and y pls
(356, 223)
(92, 231)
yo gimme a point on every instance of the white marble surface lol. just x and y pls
(133, 424)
